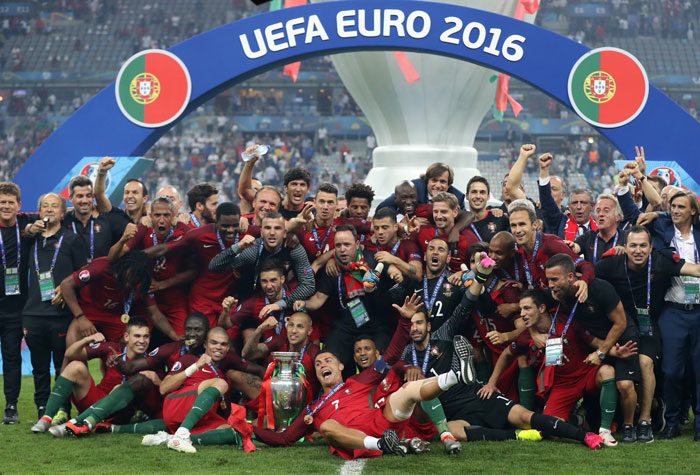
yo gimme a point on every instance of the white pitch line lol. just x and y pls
(353, 467)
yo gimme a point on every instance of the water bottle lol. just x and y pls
(259, 151)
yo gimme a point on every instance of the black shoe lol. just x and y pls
(390, 443)
(671, 432)
(645, 434)
(696, 437)
(40, 412)
(465, 355)
(658, 416)
(11, 416)
(629, 434)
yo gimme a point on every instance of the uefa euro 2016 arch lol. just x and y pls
(232, 53)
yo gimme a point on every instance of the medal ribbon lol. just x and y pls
(430, 302)
(531, 262)
(320, 244)
(312, 412)
(426, 358)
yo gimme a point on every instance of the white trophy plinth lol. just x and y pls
(432, 120)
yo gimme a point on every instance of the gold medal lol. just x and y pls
(308, 420)
(125, 318)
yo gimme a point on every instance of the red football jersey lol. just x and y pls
(458, 256)
(205, 373)
(104, 351)
(407, 251)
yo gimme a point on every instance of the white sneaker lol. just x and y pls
(181, 444)
(607, 437)
(151, 440)
(58, 431)
(42, 425)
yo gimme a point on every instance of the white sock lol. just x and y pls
(371, 443)
(447, 380)
(182, 432)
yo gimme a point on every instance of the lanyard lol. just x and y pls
(553, 327)
(312, 412)
(154, 236)
(321, 244)
(695, 250)
(222, 246)
(92, 237)
(648, 283)
(127, 302)
(595, 245)
(531, 262)
(124, 360)
(395, 249)
(280, 318)
(53, 260)
(426, 358)
(214, 370)
(195, 221)
(430, 302)
(478, 236)
(492, 284)
(303, 352)
(19, 249)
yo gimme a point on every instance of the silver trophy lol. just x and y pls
(287, 388)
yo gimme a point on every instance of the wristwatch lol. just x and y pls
(601, 354)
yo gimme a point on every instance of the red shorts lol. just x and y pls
(151, 404)
(423, 430)
(208, 308)
(179, 403)
(373, 424)
(94, 394)
(109, 325)
(176, 315)
(564, 394)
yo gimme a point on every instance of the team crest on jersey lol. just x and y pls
(268, 339)
(84, 275)
(154, 352)
(435, 351)
(94, 346)
(492, 227)
(347, 391)
(447, 290)
(98, 228)
(177, 366)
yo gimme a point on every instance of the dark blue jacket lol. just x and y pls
(553, 217)
(662, 232)
(421, 194)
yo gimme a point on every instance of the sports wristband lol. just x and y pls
(191, 369)
(481, 278)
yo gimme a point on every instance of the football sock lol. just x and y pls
(433, 409)
(371, 443)
(475, 433)
(148, 427)
(608, 402)
(447, 380)
(201, 406)
(552, 427)
(115, 401)
(217, 437)
(59, 395)
(527, 387)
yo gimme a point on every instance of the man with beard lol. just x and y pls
(192, 390)
(642, 276)
(445, 211)
(141, 389)
(401, 255)
(472, 417)
(75, 381)
(202, 200)
(96, 232)
(566, 378)
(171, 272)
(603, 316)
(248, 255)
(248, 315)
(594, 244)
(360, 309)
(135, 194)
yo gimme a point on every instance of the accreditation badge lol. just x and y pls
(691, 290)
(46, 287)
(554, 352)
(644, 321)
(358, 312)
(11, 281)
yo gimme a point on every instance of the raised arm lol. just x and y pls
(100, 188)
(515, 176)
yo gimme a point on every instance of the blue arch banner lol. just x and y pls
(232, 53)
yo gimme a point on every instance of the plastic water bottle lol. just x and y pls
(259, 151)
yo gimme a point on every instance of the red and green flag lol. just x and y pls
(153, 88)
(608, 87)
